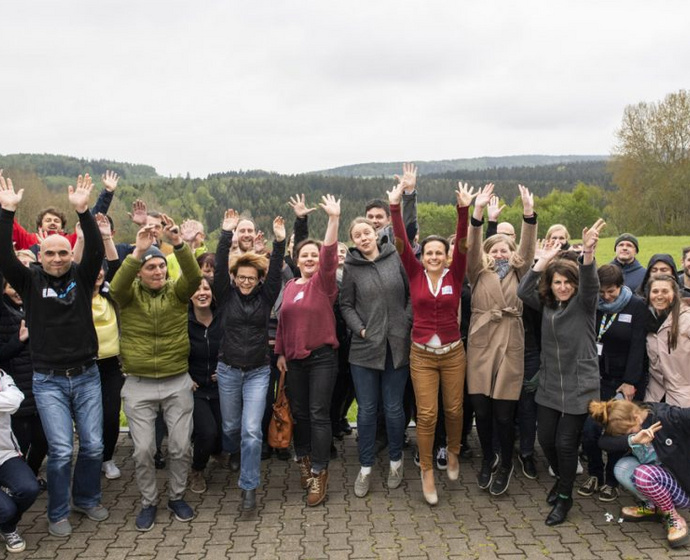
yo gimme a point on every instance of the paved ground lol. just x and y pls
(466, 523)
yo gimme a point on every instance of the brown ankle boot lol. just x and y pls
(317, 488)
(304, 465)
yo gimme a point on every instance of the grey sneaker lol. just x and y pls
(13, 541)
(61, 528)
(395, 476)
(362, 484)
(95, 513)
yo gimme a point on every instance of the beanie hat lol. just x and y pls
(627, 237)
(153, 252)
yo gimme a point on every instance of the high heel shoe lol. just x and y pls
(430, 497)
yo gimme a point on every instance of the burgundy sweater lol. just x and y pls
(434, 314)
(306, 319)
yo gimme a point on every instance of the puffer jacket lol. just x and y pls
(569, 370)
(155, 342)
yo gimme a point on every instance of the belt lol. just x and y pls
(73, 371)
(438, 350)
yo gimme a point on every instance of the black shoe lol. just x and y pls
(283, 454)
(529, 469)
(42, 484)
(334, 451)
(484, 476)
(337, 432)
(552, 496)
(501, 480)
(345, 427)
(266, 451)
(466, 451)
(158, 460)
(235, 462)
(248, 500)
(560, 511)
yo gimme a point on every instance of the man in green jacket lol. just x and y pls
(154, 348)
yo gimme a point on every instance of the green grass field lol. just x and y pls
(649, 245)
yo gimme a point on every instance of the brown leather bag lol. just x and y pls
(280, 426)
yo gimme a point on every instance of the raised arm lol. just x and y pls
(121, 288)
(93, 254)
(10, 267)
(588, 290)
(409, 200)
(332, 207)
(458, 265)
(221, 275)
(474, 244)
(410, 262)
(274, 283)
(190, 273)
(528, 231)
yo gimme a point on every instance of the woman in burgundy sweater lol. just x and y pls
(305, 346)
(437, 355)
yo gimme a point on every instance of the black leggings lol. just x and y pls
(501, 412)
(32, 441)
(559, 436)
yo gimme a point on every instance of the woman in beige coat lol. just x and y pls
(668, 343)
(495, 350)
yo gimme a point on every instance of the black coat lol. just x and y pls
(204, 343)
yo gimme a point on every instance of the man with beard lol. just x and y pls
(626, 248)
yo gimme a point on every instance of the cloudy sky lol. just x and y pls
(290, 86)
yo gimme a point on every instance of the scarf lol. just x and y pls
(502, 267)
(617, 305)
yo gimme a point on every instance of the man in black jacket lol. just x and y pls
(57, 298)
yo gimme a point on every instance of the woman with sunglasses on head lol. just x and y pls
(243, 360)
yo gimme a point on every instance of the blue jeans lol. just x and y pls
(389, 386)
(59, 399)
(242, 404)
(19, 490)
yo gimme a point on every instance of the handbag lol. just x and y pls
(280, 426)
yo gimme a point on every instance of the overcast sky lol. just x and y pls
(207, 86)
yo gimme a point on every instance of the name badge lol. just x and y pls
(447, 291)
(600, 348)
(298, 297)
(625, 318)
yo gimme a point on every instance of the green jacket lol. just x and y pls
(154, 340)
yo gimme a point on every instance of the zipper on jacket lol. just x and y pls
(558, 359)
(208, 357)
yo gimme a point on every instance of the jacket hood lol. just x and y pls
(659, 257)
(355, 257)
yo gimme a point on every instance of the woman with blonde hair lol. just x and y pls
(657, 435)
(495, 348)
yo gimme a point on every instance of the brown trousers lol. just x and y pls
(428, 370)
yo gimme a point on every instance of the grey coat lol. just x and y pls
(375, 296)
(569, 371)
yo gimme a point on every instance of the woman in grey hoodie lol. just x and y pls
(375, 302)
(567, 295)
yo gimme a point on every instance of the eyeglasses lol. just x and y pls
(248, 279)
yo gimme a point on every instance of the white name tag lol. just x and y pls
(447, 291)
(298, 297)
(49, 293)
(600, 348)
(625, 318)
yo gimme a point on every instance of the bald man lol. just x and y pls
(62, 339)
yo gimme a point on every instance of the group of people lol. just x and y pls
(520, 334)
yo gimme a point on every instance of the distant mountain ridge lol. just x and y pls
(388, 169)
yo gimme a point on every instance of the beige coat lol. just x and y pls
(496, 341)
(669, 373)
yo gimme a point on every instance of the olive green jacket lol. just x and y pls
(154, 340)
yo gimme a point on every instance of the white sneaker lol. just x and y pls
(580, 469)
(110, 469)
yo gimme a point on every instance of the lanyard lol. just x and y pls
(604, 326)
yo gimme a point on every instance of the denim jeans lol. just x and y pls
(60, 399)
(20, 490)
(309, 387)
(623, 471)
(590, 442)
(242, 404)
(389, 386)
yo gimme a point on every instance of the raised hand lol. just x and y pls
(299, 206)
(23, 331)
(395, 194)
(279, 228)
(144, 240)
(189, 229)
(79, 196)
(590, 236)
(9, 199)
(103, 226)
(484, 196)
(494, 208)
(546, 250)
(139, 213)
(527, 201)
(330, 205)
(110, 179)
(647, 435)
(171, 231)
(465, 194)
(230, 220)
(259, 243)
(409, 178)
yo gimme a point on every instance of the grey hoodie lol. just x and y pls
(375, 296)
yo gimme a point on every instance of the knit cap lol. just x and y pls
(153, 252)
(627, 237)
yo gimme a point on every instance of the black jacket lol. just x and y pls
(671, 443)
(204, 343)
(58, 309)
(245, 317)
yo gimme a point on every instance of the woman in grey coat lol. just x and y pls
(374, 300)
(567, 295)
